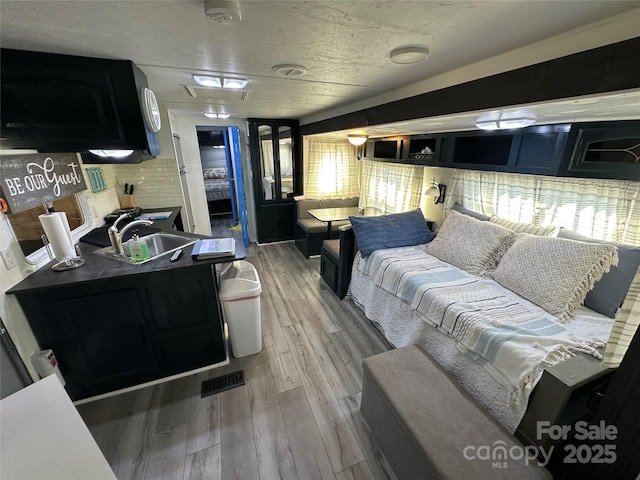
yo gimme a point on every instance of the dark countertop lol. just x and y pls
(98, 268)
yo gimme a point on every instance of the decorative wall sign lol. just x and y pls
(35, 179)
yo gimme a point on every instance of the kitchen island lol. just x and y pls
(114, 325)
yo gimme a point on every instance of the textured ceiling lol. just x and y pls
(344, 45)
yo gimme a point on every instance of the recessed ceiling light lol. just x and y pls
(112, 153)
(290, 70)
(234, 83)
(208, 81)
(220, 82)
(216, 115)
(505, 123)
(409, 55)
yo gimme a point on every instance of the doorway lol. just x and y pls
(219, 181)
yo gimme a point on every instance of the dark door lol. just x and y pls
(277, 176)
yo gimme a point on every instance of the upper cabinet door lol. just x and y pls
(57, 103)
(610, 150)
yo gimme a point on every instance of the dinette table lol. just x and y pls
(330, 215)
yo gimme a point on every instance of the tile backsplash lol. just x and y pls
(156, 182)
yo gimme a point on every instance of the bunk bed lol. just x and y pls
(216, 186)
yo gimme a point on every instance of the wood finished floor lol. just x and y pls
(297, 416)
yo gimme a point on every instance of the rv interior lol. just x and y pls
(435, 268)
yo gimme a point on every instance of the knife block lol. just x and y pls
(127, 201)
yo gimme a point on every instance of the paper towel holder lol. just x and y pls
(68, 264)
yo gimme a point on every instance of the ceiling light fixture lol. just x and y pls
(234, 83)
(357, 140)
(220, 82)
(208, 81)
(505, 123)
(290, 70)
(112, 153)
(408, 55)
(225, 12)
(216, 115)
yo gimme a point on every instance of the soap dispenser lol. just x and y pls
(138, 249)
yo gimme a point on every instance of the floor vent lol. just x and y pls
(222, 383)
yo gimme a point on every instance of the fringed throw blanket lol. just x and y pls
(514, 336)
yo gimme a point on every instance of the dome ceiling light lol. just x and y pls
(225, 12)
(408, 55)
(357, 140)
(290, 70)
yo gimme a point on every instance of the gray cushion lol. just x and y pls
(520, 227)
(311, 225)
(460, 209)
(388, 231)
(470, 244)
(609, 293)
(339, 202)
(554, 273)
(305, 204)
(425, 422)
(332, 247)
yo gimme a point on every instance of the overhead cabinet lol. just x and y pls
(606, 150)
(64, 103)
(594, 150)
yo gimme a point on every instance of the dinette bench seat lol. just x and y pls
(310, 232)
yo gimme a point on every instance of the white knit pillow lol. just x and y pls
(554, 273)
(520, 227)
(470, 244)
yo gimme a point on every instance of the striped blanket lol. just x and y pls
(511, 334)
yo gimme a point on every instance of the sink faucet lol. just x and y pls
(116, 236)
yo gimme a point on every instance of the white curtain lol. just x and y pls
(603, 209)
(267, 158)
(332, 170)
(390, 187)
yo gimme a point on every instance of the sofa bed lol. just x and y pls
(494, 302)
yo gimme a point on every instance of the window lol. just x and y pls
(331, 170)
(28, 231)
(389, 187)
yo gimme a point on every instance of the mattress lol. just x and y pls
(402, 325)
(217, 189)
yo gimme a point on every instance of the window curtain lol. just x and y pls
(603, 209)
(389, 187)
(267, 157)
(332, 170)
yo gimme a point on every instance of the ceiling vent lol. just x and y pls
(226, 12)
(290, 70)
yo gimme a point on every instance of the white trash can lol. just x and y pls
(240, 295)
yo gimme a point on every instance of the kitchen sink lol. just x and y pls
(159, 244)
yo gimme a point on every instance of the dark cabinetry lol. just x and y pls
(119, 332)
(277, 176)
(606, 150)
(537, 150)
(63, 103)
(388, 148)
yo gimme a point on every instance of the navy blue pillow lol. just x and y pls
(609, 292)
(388, 231)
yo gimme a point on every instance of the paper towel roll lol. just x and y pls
(56, 227)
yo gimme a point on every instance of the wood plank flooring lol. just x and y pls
(297, 416)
